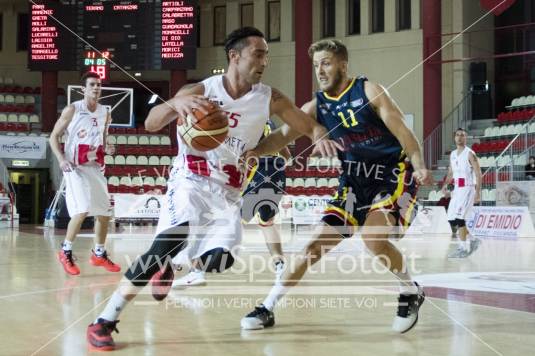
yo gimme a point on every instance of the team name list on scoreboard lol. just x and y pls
(173, 27)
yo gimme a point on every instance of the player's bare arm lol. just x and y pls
(299, 121)
(391, 114)
(447, 181)
(474, 161)
(190, 97)
(55, 136)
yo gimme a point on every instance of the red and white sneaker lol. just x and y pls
(67, 261)
(99, 335)
(104, 261)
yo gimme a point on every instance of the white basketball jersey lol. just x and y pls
(85, 134)
(247, 116)
(463, 172)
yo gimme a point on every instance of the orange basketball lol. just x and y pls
(208, 132)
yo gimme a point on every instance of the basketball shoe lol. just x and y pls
(99, 335)
(67, 261)
(104, 261)
(408, 306)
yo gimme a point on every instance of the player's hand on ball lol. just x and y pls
(186, 104)
(325, 147)
(66, 166)
(423, 176)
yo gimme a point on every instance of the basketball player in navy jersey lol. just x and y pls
(382, 165)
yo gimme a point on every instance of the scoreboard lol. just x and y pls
(95, 35)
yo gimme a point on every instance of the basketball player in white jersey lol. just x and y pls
(200, 217)
(465, 171)
(85, 124)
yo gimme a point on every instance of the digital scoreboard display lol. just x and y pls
(135, 35)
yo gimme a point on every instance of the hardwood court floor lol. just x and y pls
(483, 305)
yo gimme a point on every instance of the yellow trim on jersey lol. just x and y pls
(342, 212)
(408, 214)
(399, 189)
(342, 93)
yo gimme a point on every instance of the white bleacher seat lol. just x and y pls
(3, 118)
(125, 181)
(324, 162)
(154, 161)
(29, 99)
(12, 118)
(142, 161)
(531, 128)
(484, 194)
(289, 183)
(121, 140)
(120, 160)
(483, 162)
(44, 134)
(108, 160)
(165, 140)
(113, 180)
(132, 140)
(518, 129)
(333, 183)
(33, 134)
(112, 140)
(522, 101)
(143, 140)
(488, 132)
(131, 160)
(336, 162)
(23, 118)
(137, 180)
(161, 181)
(521, 160)
(10, 99)
(313, 161)
(530, 100)
(34, 118)
(19, 99)
(310, 183)
(165, 161)
(2, 99)
(504, 131)
(322, 182)
(299, 182)
(495, 131)
(154, 140)
(432, 196)
(149, 181)
(514, 102)
(8, 81)
(492, 194)
(491, 161)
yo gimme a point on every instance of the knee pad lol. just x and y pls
(266, 213)
(216, 260)
(164, 247)
(334, 221)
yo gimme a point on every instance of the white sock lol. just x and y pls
(67, 245)
(114, 307)
(406, 285)
(275, 294)
(99, 249)
(466, 244)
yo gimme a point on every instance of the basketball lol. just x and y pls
(208, 132)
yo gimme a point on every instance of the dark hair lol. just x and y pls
(237, 39)
(336, 47)
(459, 129)
(530, 157)
(88, 75)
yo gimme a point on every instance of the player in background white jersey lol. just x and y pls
(202, 203)
(465, 173)
(85, 124)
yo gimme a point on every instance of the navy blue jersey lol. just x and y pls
(352, 121)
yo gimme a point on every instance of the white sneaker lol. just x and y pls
(474, 244)
(193, 278)
(408, 306)
(459, 253)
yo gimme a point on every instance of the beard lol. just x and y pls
(336, 82)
